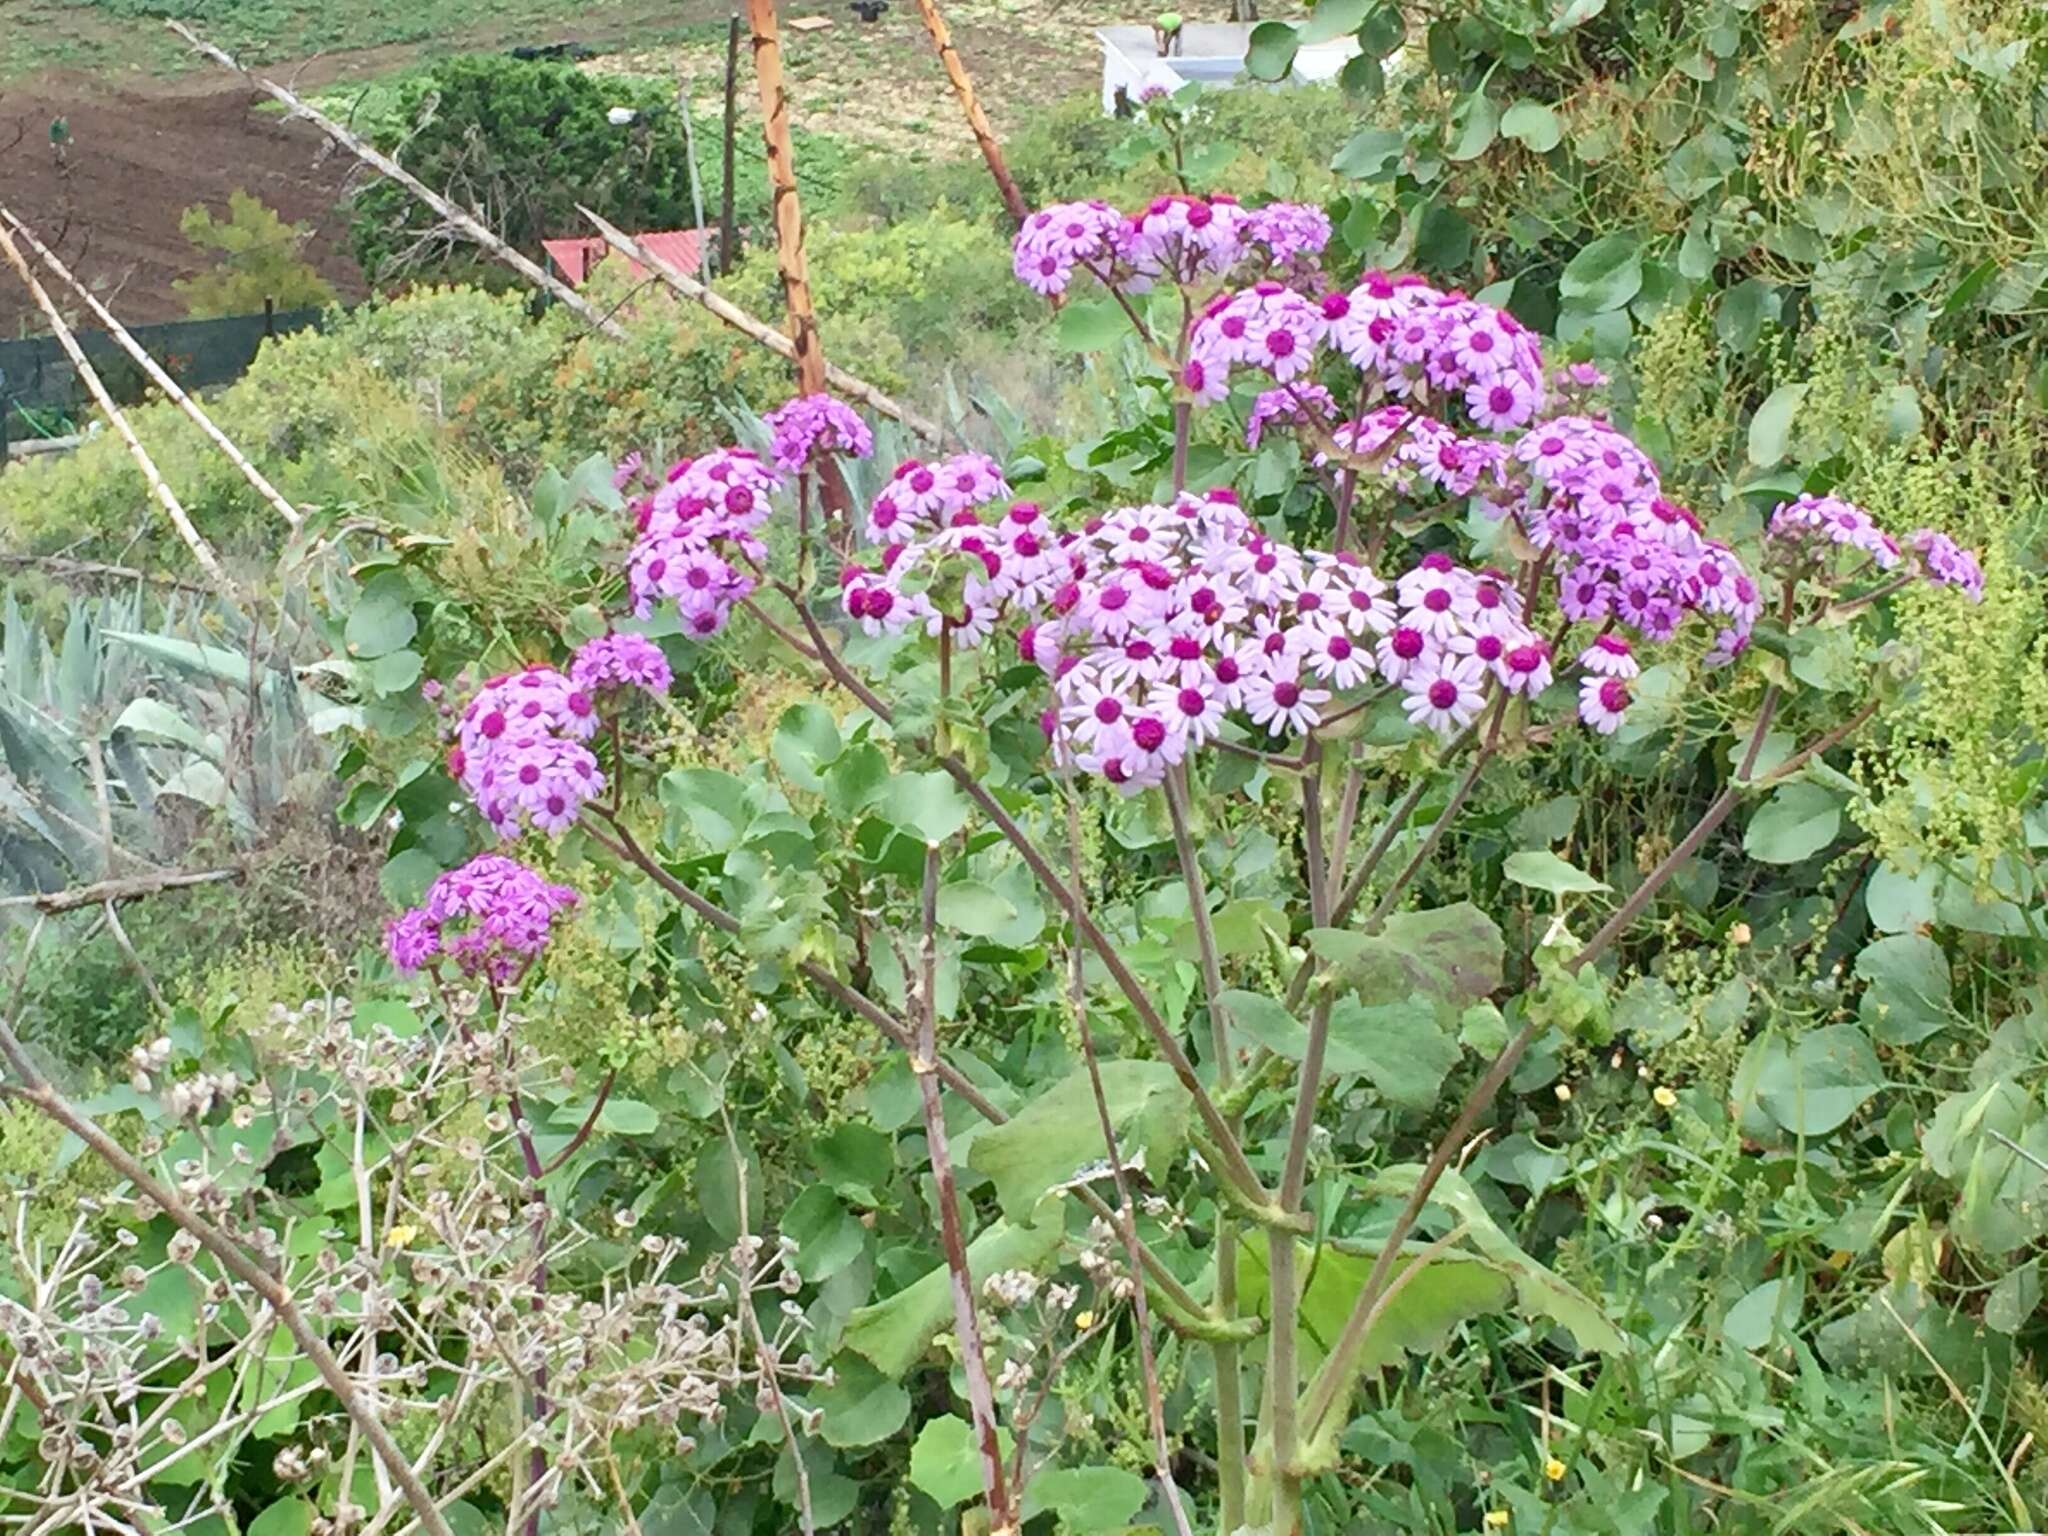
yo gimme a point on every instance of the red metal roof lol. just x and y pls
(682, 249)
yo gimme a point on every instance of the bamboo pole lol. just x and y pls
(157, 375)
(202, 552)
(977, 120)
(838, 379)
(461, 218)
(785, 206)
(728, 225)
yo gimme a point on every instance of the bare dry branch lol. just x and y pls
(108, 892)
(724, 309)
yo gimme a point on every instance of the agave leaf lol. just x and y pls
(157, 721)
(209, 662)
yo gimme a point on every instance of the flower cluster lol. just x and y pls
(1175, 617)
(1410, 340)
(1947, 564)
(811, 425)
(1624, 553)
(520, 750)
(491, 917)
(705, 511)
(1819, 526)
(921, 497)
(1176, 239)
(1290, 234)
(960, 577)
(621, 661)
(1056, 240)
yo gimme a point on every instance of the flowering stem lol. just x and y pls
(1230, 1445)
(1126, 1224)
(743, 1273)
(1183, 416)
(626, 847)
(1234, 1166)
(966, 1322)
(1884, 589)
(604, 1092)
(1443, 822)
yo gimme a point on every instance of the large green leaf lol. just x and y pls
(806, 741)
(712, 802)
(1797, 822)
(895, 1333)
(1770, 429)
(1533, 124)
(945, 1466)
(827, 1235)
(1477, 119)
(1448, 955)
(1542, 870)
(1059, 1133)
(1539, 1290)
(1604, 275)
(382, 619)
(1419, 1319)
(1404, 1047)
(968, 906)
(862, 1406)
(1908, 996)
(1089, 1499)
(927, 805)
(1270, 53)
(1810, 1086)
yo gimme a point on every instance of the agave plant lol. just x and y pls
(143, 708)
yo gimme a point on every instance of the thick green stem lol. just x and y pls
(1230, 1442)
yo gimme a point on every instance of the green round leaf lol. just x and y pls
(1544, 871)
(1270, 54)
(381, 621)
(1604, 275)
(1087, 1498)
(968, 906)
(827, 1235)
(1770, 429)
(1795, 823)
(1477, 120)
(1532, 123)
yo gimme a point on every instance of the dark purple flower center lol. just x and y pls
(1443, 693)
(1149, 733)
(1191, 701)
(1437, 599)
(1286, 694)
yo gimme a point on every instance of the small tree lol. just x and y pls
(259, 257)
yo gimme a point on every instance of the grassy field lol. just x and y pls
(123, 42)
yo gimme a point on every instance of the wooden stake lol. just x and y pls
(728, 226)
(837, 379)
(977, 120)
(161, 379)
(461, 218)
(202, 552)
(787, 210)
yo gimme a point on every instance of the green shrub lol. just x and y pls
(258, 261)
(526, 141)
